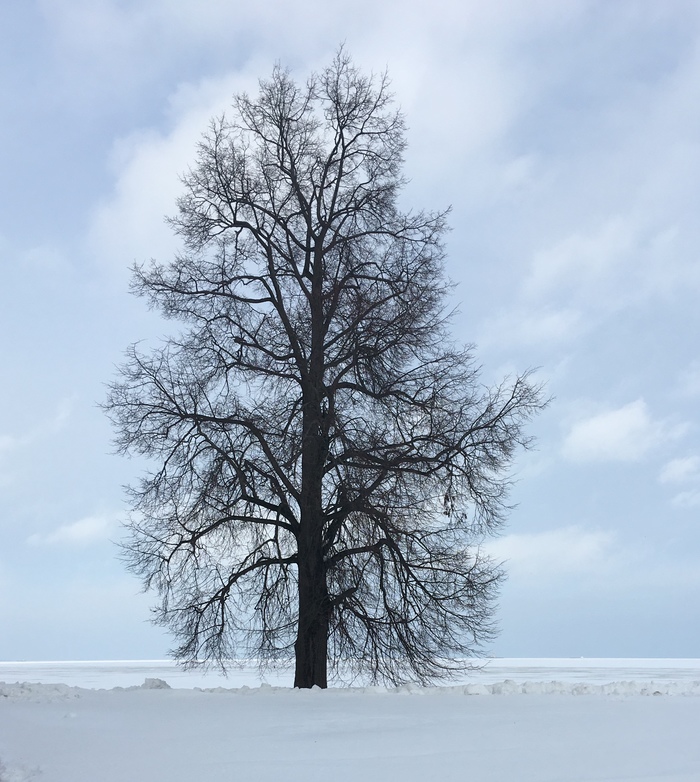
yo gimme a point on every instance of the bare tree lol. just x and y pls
(328, 459)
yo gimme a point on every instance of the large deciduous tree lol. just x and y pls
(327, 460)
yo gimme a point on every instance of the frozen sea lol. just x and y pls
(524, 720)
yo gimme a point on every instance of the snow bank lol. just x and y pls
(54, 692)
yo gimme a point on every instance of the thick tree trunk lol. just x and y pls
(311, 647)
(314, 606)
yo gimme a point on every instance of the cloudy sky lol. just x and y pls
(566, 136)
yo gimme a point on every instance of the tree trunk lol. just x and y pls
(311, 647)
(314, 605)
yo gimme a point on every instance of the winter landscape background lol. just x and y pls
(566, 136)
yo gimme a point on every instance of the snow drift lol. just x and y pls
(508, 723)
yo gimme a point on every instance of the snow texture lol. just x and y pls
(640, 725)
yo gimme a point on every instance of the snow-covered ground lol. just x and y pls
(511, 721)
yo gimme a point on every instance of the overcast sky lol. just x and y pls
(566, 136)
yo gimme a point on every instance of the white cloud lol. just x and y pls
(623, 435)
(46, 428)
(620, 261)
(581, 262)
(687, 499)
(564, 551)
(129, 226)
(683, 470)
(577, 558)
(614, 228)
(83, 532)
(460, 96)
(109, 26)
(522, 327)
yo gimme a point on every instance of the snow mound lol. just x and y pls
(53, 692)
(38, 692)
(510, 687)
(507, 687)
(8, 774)
(155, 684)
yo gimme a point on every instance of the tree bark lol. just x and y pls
(314, 604)
(311, 647)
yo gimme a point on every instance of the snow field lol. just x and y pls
(513, 730)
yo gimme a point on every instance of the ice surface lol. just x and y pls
(632, 725)
(126, 673)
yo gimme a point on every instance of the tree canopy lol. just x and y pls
(327, 459)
